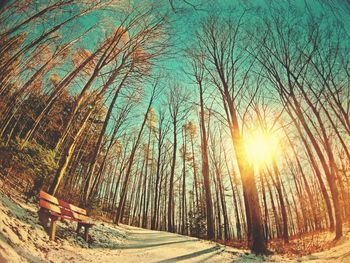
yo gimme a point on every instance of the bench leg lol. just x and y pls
(53, 229)
(43, 218)
(78, 228)
(86, 233)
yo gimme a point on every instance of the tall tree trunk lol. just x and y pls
(171, 182)
(205, 168)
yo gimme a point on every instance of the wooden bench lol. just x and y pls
(53, 210)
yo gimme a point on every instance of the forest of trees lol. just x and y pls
(248, 141)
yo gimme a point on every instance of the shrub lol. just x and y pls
(29, 167)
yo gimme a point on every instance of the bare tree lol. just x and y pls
(229, 70)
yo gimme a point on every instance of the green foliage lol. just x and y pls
(33, 164)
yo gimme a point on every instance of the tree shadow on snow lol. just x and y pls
(143, 245)
(216, 249)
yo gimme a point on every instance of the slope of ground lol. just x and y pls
(22, 239)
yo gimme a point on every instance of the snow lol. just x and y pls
(23, 239)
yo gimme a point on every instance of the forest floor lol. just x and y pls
(23, 239)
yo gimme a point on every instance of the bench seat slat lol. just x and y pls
(74, 216)
(50, 206)
(71, 218)
(72, 207)
(67, 212)
(81, 217)
(48, 197)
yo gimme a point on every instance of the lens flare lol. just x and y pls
(261, 148)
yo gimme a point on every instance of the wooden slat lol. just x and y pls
(81, 217)
(49, 206)
(67, 213)
(72, 207)
(48, 197)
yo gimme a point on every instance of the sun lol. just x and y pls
(261, 147)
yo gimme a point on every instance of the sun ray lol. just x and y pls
(261, 147)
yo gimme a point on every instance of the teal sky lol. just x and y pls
(185, 20)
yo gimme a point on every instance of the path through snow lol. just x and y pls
(22, 239)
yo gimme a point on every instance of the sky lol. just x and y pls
(185, 20)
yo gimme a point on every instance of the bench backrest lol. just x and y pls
(61, 207)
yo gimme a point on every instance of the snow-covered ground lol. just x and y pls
(22, 239)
